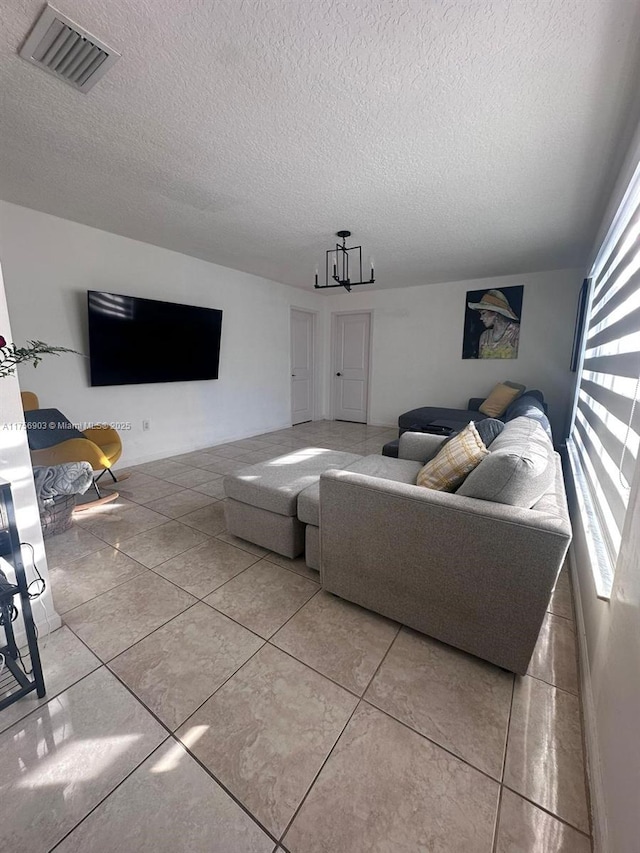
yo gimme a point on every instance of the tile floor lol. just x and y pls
(206, 695)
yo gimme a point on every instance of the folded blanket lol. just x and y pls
(70, 478)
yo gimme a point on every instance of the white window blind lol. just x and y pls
(605, 435)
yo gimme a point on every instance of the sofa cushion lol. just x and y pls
(519, 469)
(399, 470)
(275, 484)
(529, 406)
(457, 458)
(499, 399)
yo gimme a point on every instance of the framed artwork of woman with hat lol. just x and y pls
(492, 323)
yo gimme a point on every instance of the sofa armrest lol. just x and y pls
(474, 574)
(475, 403)
(419, 446)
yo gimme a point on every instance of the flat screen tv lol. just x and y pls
(134, 341)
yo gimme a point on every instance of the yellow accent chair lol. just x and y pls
(101, 446)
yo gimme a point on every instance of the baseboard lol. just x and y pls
(594, 767)
(43, 626)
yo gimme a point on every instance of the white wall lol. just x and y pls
(50, 263)
(15, 467)
(417, 344)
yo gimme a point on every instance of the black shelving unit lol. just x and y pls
(15, 682)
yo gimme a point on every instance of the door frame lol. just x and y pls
(314, 361)
(332, 359)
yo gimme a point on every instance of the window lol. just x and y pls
(605, 434)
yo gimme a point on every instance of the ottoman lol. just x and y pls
(262, 499)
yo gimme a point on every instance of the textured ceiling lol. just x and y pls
(455, 139)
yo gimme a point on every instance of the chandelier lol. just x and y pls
(344, 261)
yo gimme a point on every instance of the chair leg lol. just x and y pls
(107, 471)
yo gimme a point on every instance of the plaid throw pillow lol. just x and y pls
(457, 458)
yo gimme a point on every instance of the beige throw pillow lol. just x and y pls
(500, 399)
(457, 458)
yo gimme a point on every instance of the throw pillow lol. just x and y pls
(499, 399)
(457, 458)
(488, 429)
(47, 427)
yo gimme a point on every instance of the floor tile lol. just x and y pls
(247, 445)
(162, 543)
(180, 503)
(277, 436)
(523, 828)
(297, 564)
(142, 488)
(258, 456)
(181, 664)
(220, 465)
(163, 468)
(70, 545)
(258, 550)
(65, 660)
(206, 567)
(210, 519)
(232, 451)
(555, 657)
(195, 459)
(455, 699)
(117, 619)
(263, 597)
(339, 639)
(267, 731)
(544, 752)
(385, 788)
(213, 488)
(561, 603)
(114, 522)
(168, 805)
(60, 761)
(191, 477)
(74, 583)
(278, 439)
(203, 569)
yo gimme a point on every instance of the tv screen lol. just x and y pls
(134, 341)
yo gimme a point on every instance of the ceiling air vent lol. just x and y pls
(61, 47)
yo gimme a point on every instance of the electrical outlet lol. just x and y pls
(146, 426)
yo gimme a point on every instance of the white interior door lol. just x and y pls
(301, 366)
(351, 373)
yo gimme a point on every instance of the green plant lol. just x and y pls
(11, 355)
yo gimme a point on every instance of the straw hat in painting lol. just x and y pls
(494, 300)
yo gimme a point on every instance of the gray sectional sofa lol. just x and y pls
(474, 569)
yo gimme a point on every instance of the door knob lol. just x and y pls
(293, 374)
(338, 374)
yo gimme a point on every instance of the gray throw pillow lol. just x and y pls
(518, 471)
(489, 429)
(47, 427)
